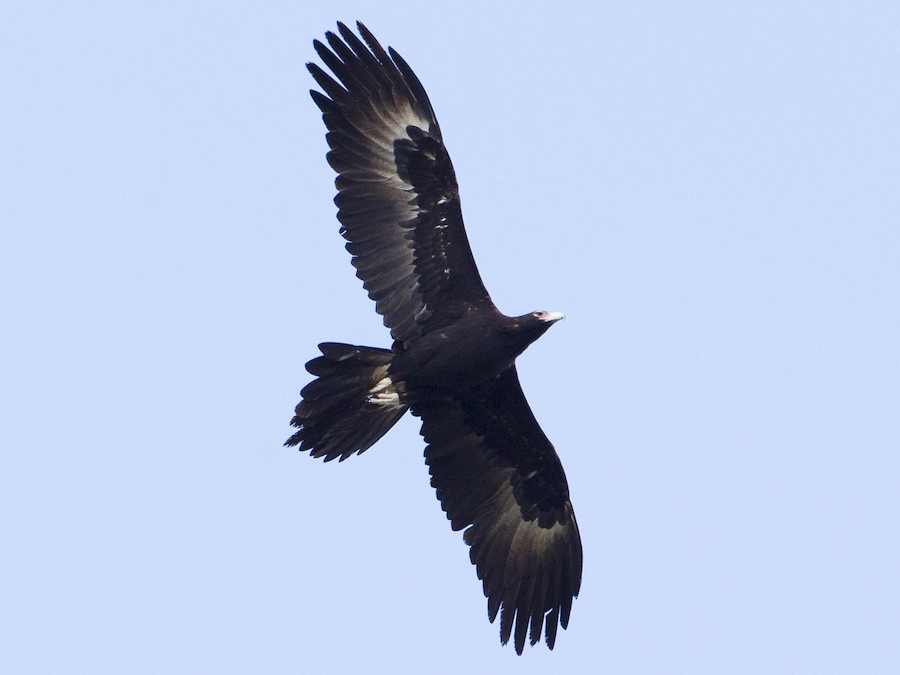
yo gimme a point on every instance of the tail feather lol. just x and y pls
(350, 405)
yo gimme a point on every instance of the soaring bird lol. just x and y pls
(452, 362)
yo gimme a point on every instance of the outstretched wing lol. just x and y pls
(497, 474)
(398, 201)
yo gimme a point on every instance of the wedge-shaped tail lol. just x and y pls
(351, 403)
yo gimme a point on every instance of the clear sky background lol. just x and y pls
(709, 190)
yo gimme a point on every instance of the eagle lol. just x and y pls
(452, 361)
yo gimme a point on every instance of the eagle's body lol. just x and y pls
(465, 353)
(452, 362)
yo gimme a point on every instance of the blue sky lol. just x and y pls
(709, 192)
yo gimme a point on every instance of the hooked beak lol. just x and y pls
(551, 317)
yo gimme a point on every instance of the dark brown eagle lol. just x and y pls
(452, 362)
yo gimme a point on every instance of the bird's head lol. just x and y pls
(529, 327)
(538, 322)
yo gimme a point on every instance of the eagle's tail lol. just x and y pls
(351, 403)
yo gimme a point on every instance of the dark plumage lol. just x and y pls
(453, 358)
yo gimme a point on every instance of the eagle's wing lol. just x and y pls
(398, 201)
(497, 474)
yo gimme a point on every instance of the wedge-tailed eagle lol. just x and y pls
(452, 363)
